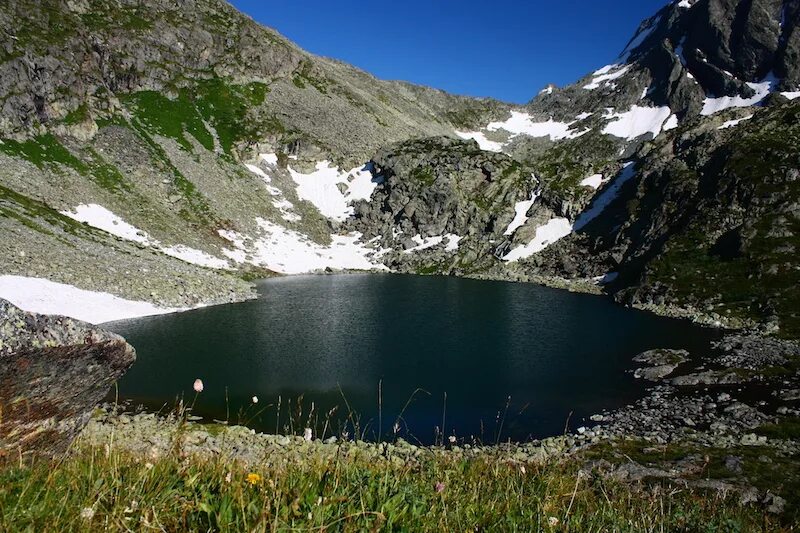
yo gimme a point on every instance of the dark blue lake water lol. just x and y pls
(337, 340)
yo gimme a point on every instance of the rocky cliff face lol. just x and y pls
(711, 221)
(53, 373)
(442, 204)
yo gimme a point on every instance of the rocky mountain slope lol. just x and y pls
(145, 139)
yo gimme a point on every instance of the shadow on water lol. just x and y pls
(328, 338)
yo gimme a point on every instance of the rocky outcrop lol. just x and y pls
(442, 203)
(708, 222)
(53, 373)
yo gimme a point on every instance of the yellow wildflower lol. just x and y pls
(253, 479)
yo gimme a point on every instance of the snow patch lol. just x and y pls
(593, 181)
(289, 252)
(101, 218)
(604, 78)
(452, 242)
(424, 243)
(734, 122)
(522, 124)
(558, 228)
(195, 257)
(554, 230)
(37, 295)
(762, 89)
(637, 121)
(608, 195)
(321, 188)
(671, 123)
(521, 214)
(483, 142)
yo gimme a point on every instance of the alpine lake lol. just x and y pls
(380, 356)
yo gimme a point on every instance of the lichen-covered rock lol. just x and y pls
(443, 204)
(53, 372)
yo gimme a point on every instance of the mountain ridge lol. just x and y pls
(200, 138)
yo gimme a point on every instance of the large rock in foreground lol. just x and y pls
(53, 372)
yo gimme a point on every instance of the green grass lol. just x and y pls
(97, 489)
(787, 428)
(765, 468)
(223, 106)
(423, 175)
(47, 153)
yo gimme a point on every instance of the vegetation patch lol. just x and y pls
(106, 489)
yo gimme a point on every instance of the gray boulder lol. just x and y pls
(53, 371)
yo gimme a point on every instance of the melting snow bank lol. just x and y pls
(101, 218)
(483, 142)
(734, 122)
(558, 228)
(42, 296)
(554, 230)
(762, 89)
(638, 121)
(429, 242)
(521, 214)
(322, 188)
(289, 252)
(606, 75)
(523, 124)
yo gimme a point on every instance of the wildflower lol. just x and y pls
(198, 385)
(253, 478)
(522, 469)
(87, 513)
(307, 435)
(255, 399)
(439, 486)
(552, 521)
(452, 439)
(228, 477)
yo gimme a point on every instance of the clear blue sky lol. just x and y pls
(508, 49)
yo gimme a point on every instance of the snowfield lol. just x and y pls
(546, 234)
(480, 138)
(321, 188)
(734, 122)
(521, 214)
(37, 295)
(523, 124)
(593, 181)
(101, 218)
(289, 252)
(637, 121)
(605, 75)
